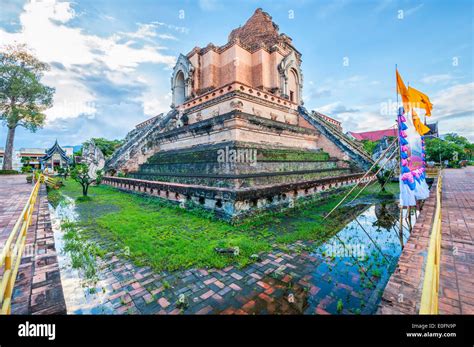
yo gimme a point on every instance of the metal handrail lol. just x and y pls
(429, 296)
(12, 252)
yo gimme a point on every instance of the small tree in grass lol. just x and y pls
(80, 173)
(64, 172)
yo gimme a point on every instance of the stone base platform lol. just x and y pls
(236, 164)
(232, 204)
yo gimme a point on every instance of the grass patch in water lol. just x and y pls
(83, 253)
(166, 237)
(54, 196)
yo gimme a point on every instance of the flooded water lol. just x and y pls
(82, 295)
(345, 274)
(358, 262)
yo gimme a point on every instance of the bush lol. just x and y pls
(8, 172)
(369, 146)
(454, 164)
(26, 169)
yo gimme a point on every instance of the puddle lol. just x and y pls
(344, 274)
(82, 296)
(348, 272)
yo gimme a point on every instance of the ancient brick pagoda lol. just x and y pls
(237, 137)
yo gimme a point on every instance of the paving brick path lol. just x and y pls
(403, 292)
(457, 246)
(280, 283)
(14, 192)
(301, 279)
(38, 287)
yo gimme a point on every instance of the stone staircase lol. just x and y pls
(136, 142)
(353, 149)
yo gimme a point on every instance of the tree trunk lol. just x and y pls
(85, 188)
(8, 156)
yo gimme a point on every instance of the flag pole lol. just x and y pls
(399, 154)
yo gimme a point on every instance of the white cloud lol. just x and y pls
(44, 28)
(412, 10)
(167, 37)
(71, 99)
(337, 108)
(433, 79)
(454, 109)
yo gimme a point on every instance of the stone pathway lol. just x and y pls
(457, 246)
(281, 282)
(403, 292)
(301, 279)
(38, 287)
(14, 193)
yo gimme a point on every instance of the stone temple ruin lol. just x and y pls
(237, 138)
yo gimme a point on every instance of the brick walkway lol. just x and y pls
(38, 287)
(304, 278)
(457, 246)
(403, 292)
(14, 192)
(264, 287)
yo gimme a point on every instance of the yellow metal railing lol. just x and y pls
(10, 256)
(429, 296)
(432, 172)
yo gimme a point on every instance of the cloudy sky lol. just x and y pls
(111, 60)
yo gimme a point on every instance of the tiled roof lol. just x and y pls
(375, 135)
(54, 149)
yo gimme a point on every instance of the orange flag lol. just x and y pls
(420, 100)
(419, 126)
(403, 91)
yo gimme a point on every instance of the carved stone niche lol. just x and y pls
(291, 78)
(182, 81)
(256, 111)
(198, 117)
(215, 112)
(237, 105)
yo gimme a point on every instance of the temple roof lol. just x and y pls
(56, 149)
(373, 135)
(433, 129)
(258, 31)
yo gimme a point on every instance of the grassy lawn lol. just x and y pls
(166, 237)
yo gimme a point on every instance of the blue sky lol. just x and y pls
(111, 60)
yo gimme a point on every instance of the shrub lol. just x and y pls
(8, 172)
(26, 169)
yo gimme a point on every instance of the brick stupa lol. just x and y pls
(237, 138)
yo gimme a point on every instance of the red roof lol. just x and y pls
(375, 135)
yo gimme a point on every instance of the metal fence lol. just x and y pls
(429, 296)
(12, 252)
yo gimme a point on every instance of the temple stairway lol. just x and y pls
(353, 149)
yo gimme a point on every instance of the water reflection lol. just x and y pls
(346, 274)
(81, 295)
(355, 264)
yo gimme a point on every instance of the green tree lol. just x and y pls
(23, 98)
(80, 173)
(64, 172)
(369, 146)
(106, 146)
(455, 138)
(441, 150)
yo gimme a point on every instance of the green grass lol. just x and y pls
(82, 252)
(166, 237)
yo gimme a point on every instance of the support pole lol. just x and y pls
(355, 186)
